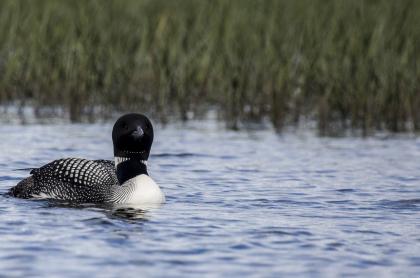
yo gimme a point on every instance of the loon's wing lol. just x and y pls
(71, 179)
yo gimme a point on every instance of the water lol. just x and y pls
(238, 203)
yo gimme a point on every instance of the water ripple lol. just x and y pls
(256, 204)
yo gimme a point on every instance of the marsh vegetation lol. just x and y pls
(344, 64)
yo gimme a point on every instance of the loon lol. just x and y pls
(124, 181)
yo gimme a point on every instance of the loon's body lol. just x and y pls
(98, 181)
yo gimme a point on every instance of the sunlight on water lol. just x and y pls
(238, 203)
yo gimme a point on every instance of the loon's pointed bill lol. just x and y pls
(125, 181)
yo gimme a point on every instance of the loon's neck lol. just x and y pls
(127, 168)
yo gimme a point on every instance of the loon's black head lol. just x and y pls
(132, 136)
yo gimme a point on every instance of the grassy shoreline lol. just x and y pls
(345, 64)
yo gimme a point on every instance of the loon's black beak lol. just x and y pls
(138, 133)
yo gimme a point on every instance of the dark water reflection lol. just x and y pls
(238, 203)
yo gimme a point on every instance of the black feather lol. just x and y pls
(72, 179)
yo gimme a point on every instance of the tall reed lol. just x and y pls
(345, 64)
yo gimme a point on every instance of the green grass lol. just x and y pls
(346, 64)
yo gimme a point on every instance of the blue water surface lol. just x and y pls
(249, 203)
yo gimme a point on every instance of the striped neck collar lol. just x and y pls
(119, 159)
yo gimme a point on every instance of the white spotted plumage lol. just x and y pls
(84, 180)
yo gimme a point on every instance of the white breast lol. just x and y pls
(141, 190)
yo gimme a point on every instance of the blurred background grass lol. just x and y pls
(345, 64)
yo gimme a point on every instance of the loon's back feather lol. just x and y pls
(72, 179)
